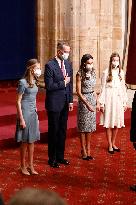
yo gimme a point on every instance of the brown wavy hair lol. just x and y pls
(109, 78)
(29, 71)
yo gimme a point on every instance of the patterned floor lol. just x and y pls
(105, 180)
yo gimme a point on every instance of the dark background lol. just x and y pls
(17, 37)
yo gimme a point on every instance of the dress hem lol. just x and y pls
(112, 126)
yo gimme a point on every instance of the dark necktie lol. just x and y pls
(62, 68)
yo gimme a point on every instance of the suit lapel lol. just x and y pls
(57, 67)
(56, 63)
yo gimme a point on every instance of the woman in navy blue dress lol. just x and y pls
(27, 130)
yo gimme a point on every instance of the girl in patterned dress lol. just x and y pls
(27, 129)
(86, 117)
(113, 101)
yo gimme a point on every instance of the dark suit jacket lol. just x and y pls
(56, 92)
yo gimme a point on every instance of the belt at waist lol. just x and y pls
(88, 92)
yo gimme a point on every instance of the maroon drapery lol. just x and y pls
(131, 62)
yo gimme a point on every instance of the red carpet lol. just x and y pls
(105, 180)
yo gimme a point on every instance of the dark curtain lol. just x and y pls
(131, 63)
(17, 37)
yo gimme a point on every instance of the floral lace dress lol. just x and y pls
(86, 120)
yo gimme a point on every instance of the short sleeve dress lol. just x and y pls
(28, 105)
(86, 120)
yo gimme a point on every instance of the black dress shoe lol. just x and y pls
(133, 188)
(90, 158)
(63, 161)
(53, 164)
(111, 151)
(116, 149)
(85, 158)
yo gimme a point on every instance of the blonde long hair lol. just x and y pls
(29, 71)
(109, 78)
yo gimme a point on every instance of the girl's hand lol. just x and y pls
(22, 124)
(102, 109)
(125, 108)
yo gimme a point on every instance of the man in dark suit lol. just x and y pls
(58, 78)
(133, 130)
(1, 200)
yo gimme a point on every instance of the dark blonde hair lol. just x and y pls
(109, 78)
(29, 69)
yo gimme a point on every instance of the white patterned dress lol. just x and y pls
(86, 120)
(113, 98)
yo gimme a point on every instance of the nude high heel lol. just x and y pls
(24, 171)
(32, 171)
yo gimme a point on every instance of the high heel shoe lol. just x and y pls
(90, 158)
(111, 151)
(32, 171)
(85, 158)
(116, 149)
(24, 171)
